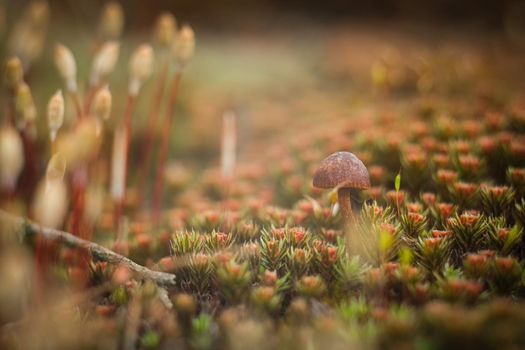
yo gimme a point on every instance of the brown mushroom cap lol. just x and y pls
(342, 169)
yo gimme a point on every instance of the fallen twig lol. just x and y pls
(96, 251)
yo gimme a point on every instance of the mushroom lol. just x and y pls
(343, 171)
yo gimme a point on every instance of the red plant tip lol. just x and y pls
(264, 294)
(212, 216)
(517, 174)
(503, 233)
(446, 177)
(504, 264)
(375, 276)
(234, 270)
(331, 253)
(184, 304)
(390, 267)
(433, 242)
(393, 141)
(487, 253)
(312, 286)
(166, 264)
(504, 137)
(416, 159)
(121, 247)
(487, 144)
(498, 191)
(223, 258)
(377, 211)
(278, 233)
(429, 144)
(461, 146)
(494, 120)
(471, 128)
(298, 236)
(441, 160)
(465, 189)
(273, 248)
(415, 217)
(221, 238)
(517, 149)
(394, 197)
(473, 289)
(388, 228)
(476, 260)
(318, 245)
(419, 129)
(270, 278)
(469, 163)
(429, 198)
(299, 256)
(143, 241)
(445, 209)
(306, 206)
(441, 233)
(414, 207)
(469, 218)
(121, 275)
(377, 173)
(201, 260)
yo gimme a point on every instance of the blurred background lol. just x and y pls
(492, 14)
(303, 62)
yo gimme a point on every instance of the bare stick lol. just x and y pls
(96, 251)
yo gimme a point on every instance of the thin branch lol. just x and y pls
(97, 252)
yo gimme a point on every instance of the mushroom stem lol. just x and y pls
(343, 197)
